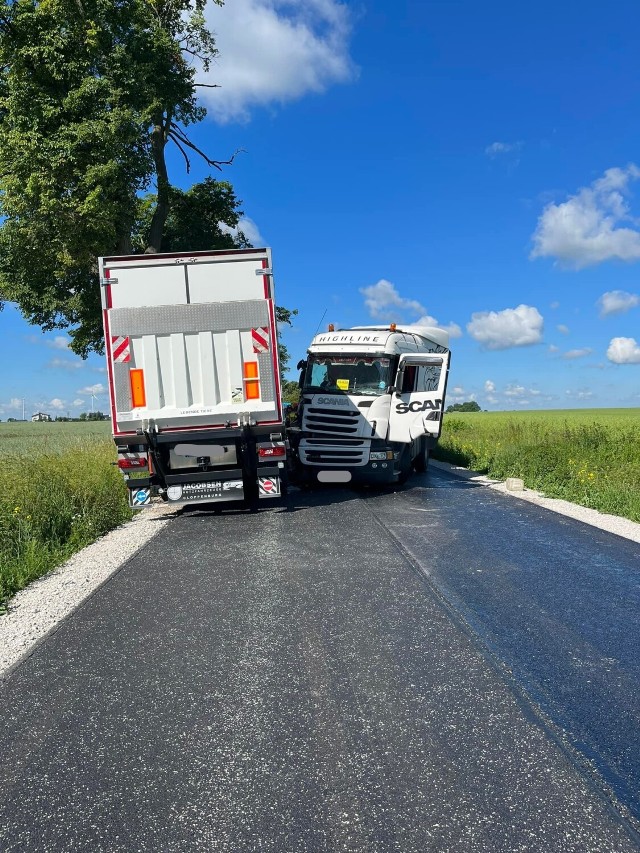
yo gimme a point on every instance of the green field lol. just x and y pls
(586, 456)
(60, 491)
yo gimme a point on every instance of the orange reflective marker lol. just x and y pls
(251, 381)
(138, 396)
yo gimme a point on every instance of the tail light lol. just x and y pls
(132, 461)
(272, 452)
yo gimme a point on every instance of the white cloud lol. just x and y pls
(248, 228)
(59, 342)
(583, 394)
(97, 390)
(553, 348)
(458, 389)
(56, 403)
(453, 328)
(514, 391)
(513, 327)
(563, 329)
(65, 364)
(624, 351)
(274, 51)
(617, 302)
(385, 303)
(77, 403)
(497, 148)
(577, 353)
(586, 229)
(554, 305)
(489, 386)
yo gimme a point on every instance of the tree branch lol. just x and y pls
(208, 85)
(182, 151)
(177, 134)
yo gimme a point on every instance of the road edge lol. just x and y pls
(604, 521)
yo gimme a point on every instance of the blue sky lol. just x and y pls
(476, 164)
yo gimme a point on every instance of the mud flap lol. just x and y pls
(269, 487)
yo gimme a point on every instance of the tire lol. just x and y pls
(421, 462)
(405, 465)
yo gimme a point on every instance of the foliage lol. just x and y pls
(283, 316)
(206, 216)
(290, 392)
(589, 457)
(55, 499)
(470, 406)
(91, 92)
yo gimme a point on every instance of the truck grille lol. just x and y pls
(323, 421)
(339, 453)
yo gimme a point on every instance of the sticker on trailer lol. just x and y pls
(139, 497)
(120, 349)
(260, 339)
(268, 487)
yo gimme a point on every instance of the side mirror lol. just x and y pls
(302, 363)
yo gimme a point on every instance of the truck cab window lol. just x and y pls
(353, 375)
(409, 379)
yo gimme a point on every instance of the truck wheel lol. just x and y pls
(405, 465)
(421, 462)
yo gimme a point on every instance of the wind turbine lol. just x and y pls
(93, 397)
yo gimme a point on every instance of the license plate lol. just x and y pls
(209, 490)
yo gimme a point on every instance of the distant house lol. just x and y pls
(41, 416)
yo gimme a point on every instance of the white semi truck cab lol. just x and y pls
(371, 403)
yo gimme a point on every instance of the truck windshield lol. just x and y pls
(355, 375)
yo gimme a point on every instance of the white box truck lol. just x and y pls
(194, 376)
(371, 403)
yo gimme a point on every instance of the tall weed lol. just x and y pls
(53, 504)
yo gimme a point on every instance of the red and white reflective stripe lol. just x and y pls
(260, 339)
(120, 349)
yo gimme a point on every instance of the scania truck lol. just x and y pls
(371, 403)
(194, 376)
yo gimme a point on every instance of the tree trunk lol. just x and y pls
(158, 142)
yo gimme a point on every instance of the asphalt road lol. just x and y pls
(442, 668)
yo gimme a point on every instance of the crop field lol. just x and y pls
(587, 456)
(59, 493)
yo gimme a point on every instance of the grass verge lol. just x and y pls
(590, 458)
(52, 505)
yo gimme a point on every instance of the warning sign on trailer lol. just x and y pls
(269, 487)
(121, 349)
(260, 339)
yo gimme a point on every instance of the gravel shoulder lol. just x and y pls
(35, 612)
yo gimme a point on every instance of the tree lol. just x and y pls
(470, 406)
(91, 92)
(206, 216)
(290, 392)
